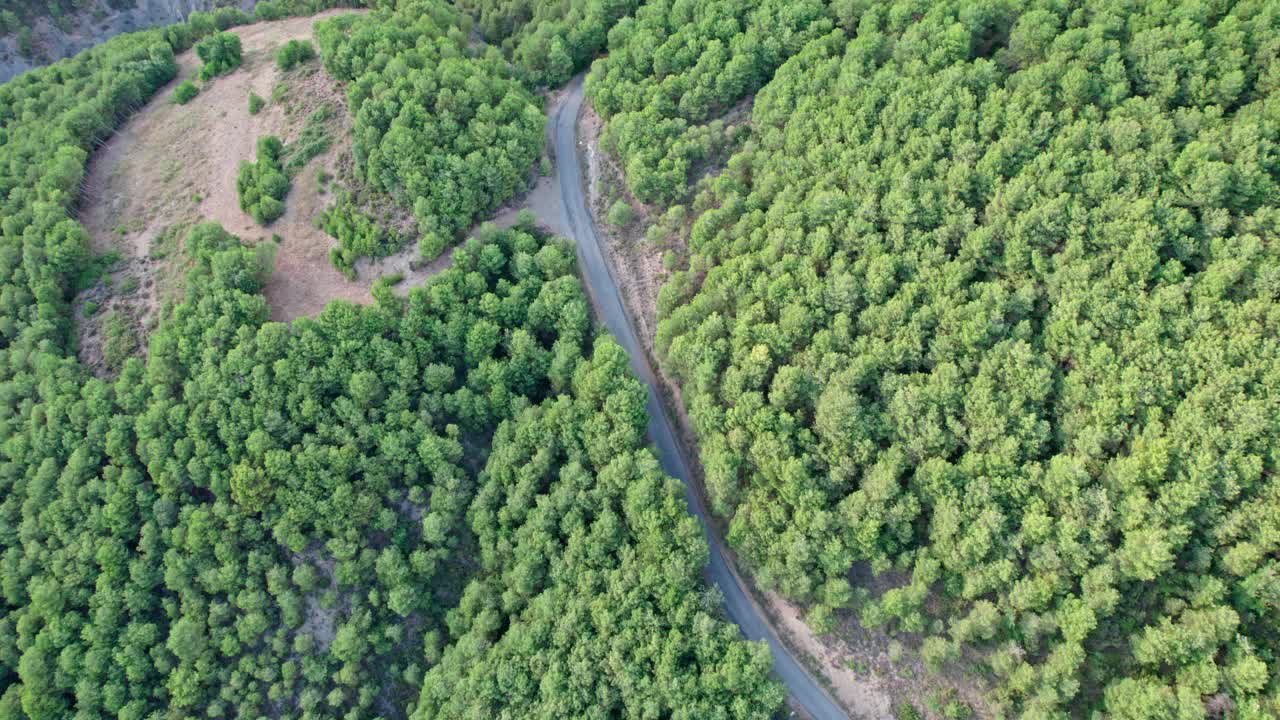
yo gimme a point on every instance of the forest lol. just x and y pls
(676, 65)
(449, 134)
(340, 516)
(549, 41)
(975, 297)
(988, 302)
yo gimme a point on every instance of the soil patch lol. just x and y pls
(543, 196)
(320, 622)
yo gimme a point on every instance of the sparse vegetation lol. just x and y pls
(358, 235)
(907, 711)
(312, 141)
(279, 92)
(669, 224)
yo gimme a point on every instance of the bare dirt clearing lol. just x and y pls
(174, 165)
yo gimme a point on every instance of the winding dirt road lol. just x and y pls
(576, 219)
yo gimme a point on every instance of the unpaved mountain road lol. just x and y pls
(577, 221)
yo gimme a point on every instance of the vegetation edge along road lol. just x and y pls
(805, 690)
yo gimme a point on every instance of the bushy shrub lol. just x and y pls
(261, 186)
(294, 52)
(185, 91)
(620, 214)
(220, 53)
(255, 103)
(226, 18)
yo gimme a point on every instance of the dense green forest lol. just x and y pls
(983, 299)
(549, 41)
(340, 516)
(591, 601)
(676, 65)
(449, 134)
(991, 300)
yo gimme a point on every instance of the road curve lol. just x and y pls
(604, 294)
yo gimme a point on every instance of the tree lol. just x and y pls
(261, 186)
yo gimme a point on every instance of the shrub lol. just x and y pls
(9, 22)
(261, 186)
(430, 245)
(229, 17)
(255, 103)
(220, 53)
(26, 48)
(293, 53)
(121, 341)
(185, 91)
(620, 214)
(267, 210)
